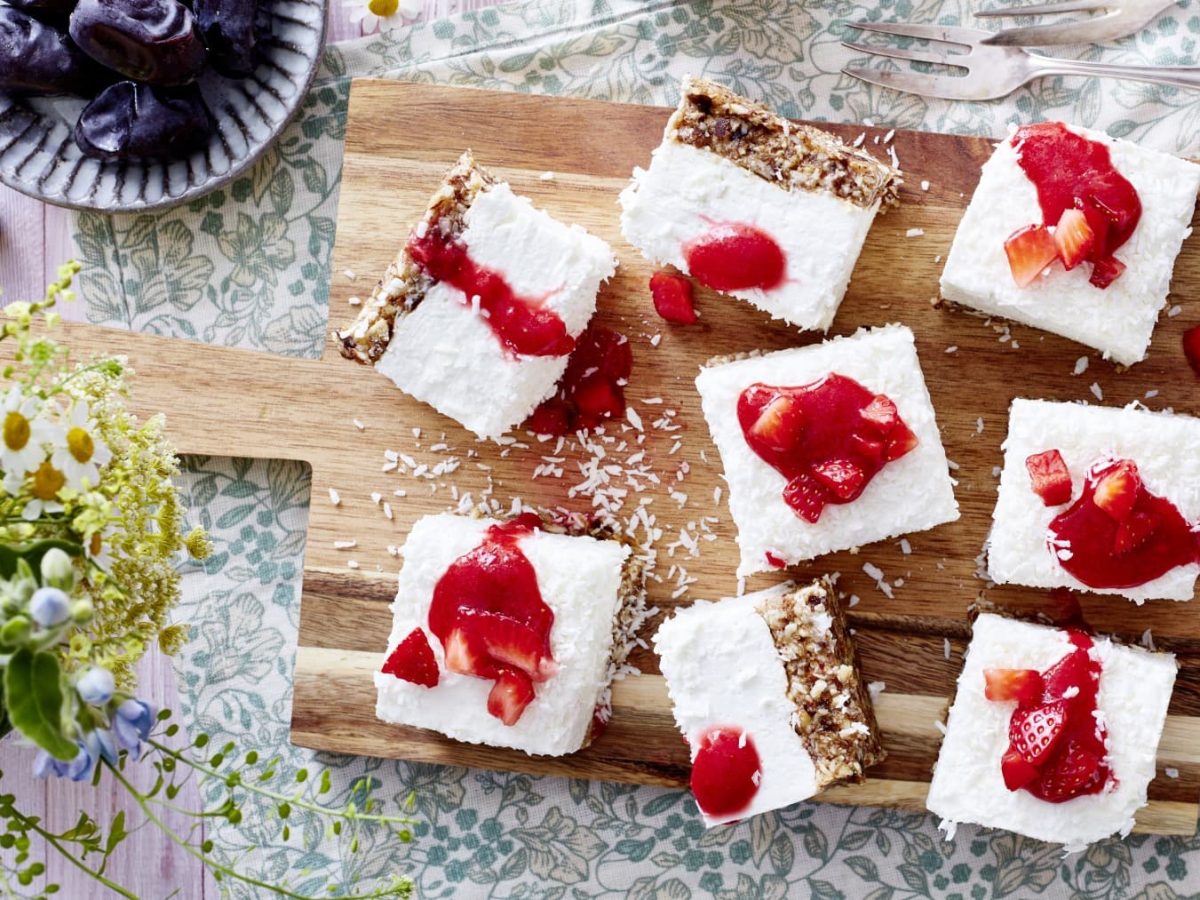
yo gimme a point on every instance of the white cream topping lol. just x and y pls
(579, 579)
(444, 352)
(1162, 445)
(686, 190)
(1135, 688)
(1118, 320)
(912, 493)
(721, 668)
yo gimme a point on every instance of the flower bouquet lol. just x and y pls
(91, 539)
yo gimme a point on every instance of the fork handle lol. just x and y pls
(1175, 76)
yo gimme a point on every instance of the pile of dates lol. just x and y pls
(137, 61)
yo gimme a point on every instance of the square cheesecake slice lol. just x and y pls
(1053, 734)
(766, 691)
(1076, 233)
(509, 633)
(827, 447)
(483, 304)
(754, 205)
(1098, 499)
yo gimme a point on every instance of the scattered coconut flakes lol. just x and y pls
(352, 563)
(546, 176)
(1081, 365)
(376, 497)
(387, 510)
(344, 545)
(940, 726)
(655, 339)
(894, 158)
(953, 348)
(952, 465)
(853, 601)
(1174, 311)
(979, 425)
(914, 232)
(1148, 640)
(358, 424)
(1150, 395)
(393, 550)
(334, 497)
(924, 185)
(416, 432)
(634, 419)
(1096, 391)
(1171, 772)
(349, 273)
(858, 141)
(946, 647)
(354, 301)
(905, 546)
(887, 138)
(875, 688)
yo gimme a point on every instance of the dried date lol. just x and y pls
(139, 121)
(152, 41)
(37, 58)
(228, 30)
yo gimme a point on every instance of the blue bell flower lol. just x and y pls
(95, 686)
(132, 724)
(49, 607)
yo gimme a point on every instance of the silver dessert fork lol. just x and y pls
(1120, 18)
(991, 71)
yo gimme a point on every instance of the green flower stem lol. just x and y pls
(187, 847)
(370, 818)
(70, 857)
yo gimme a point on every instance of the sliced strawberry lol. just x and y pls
(1072, 671)
(844, 479)
(512, 692)
(673, 298)
(882, 414)
(1016, 771)
(1117, 490)
(1075, 770)
(466, 655)
(1191, 348)
(806, 496)
(779, 424)
(598, 398)
(872, 451)
(1105, 271)
(900, 441)
(412, 660)
(1135, 531)
(1034, 732)
(1101, 227)
(1030, 250)
(1074, 238)
(552, 417)
(509, 643)
(1022, 685)
(1049, 477)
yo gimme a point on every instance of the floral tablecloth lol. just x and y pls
(250, 266)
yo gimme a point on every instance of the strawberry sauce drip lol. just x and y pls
(489, 615)
(733, 256)
(828, 438)
(521, 324)
(1072, 172)
(1150, 539)
(726, 771)
(593, 387)
(1056, 744)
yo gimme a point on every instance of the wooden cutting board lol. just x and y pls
(400, 139)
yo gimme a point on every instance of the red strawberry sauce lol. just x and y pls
(489, 614)
(828, 438)
(1128, 544)
(726, 771)
(1072, 172)
(1056, 748)
(521, 324)
(593, 387)
(733, 256)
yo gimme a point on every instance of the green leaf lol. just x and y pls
(116, 833)
(12, 554)
(33, 689)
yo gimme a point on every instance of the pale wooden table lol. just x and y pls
(34, 241)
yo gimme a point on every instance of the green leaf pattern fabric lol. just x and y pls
(250, 266)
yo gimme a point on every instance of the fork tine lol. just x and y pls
(1045, 9)
(947, 34)
(943, 86)
(928, 54)
(1044, 35)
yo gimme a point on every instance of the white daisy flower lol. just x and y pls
(99, 547)
(46, 483)
(81, 453)
(22, 436)
(377, 15)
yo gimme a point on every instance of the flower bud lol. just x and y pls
(58, 570)
(81, 611)
(95, 686)
(132, 723)
(49, 607)
(16, 631)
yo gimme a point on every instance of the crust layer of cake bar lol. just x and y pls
(404, 283)
(835, 718)
(796, 157)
